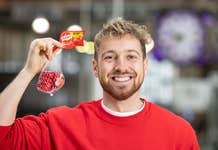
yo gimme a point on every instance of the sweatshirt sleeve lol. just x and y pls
(29, 132)
(195, 144)
(187, 138)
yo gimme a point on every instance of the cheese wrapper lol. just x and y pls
(70, 39)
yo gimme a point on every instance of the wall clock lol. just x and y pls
(180, 36)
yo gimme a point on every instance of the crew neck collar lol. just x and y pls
(130, 119)
(121, 114)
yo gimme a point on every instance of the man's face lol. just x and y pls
(120, 66)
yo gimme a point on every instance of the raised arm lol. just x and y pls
(40, 51)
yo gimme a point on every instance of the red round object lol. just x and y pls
(66, 40)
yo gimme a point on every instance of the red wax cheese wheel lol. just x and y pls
(67, 40)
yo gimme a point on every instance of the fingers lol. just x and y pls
(56, 43)
(49, 50)
(46, 46)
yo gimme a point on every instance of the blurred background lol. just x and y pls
(183, 65)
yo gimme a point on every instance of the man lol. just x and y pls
(121, 120)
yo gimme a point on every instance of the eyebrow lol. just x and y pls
(129, 51)
(109, 51)
(134, 51)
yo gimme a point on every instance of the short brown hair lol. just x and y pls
(119, 27)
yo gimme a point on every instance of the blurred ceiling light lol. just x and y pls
(40, 25)
(74, 28)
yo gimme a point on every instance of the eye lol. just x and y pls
(132, 57)
(108, 57)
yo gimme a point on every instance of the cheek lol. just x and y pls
(104, 71)
(101, 71)
(140, 70)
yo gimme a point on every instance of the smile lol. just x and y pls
(122, 79)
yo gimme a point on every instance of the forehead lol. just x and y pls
(120, 44)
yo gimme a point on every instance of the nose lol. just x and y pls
(120, 64)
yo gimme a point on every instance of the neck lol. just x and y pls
(130, 104)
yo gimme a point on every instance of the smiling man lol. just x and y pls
(120, 67)
(121, 120)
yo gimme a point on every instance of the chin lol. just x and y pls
(121, 95)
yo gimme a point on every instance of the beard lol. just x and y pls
(120, 92)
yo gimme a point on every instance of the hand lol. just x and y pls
(40, 52)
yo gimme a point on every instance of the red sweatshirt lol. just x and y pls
(88, 127)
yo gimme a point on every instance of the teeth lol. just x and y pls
(122, 79)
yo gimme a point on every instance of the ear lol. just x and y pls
(146, 65)
(95, 67)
